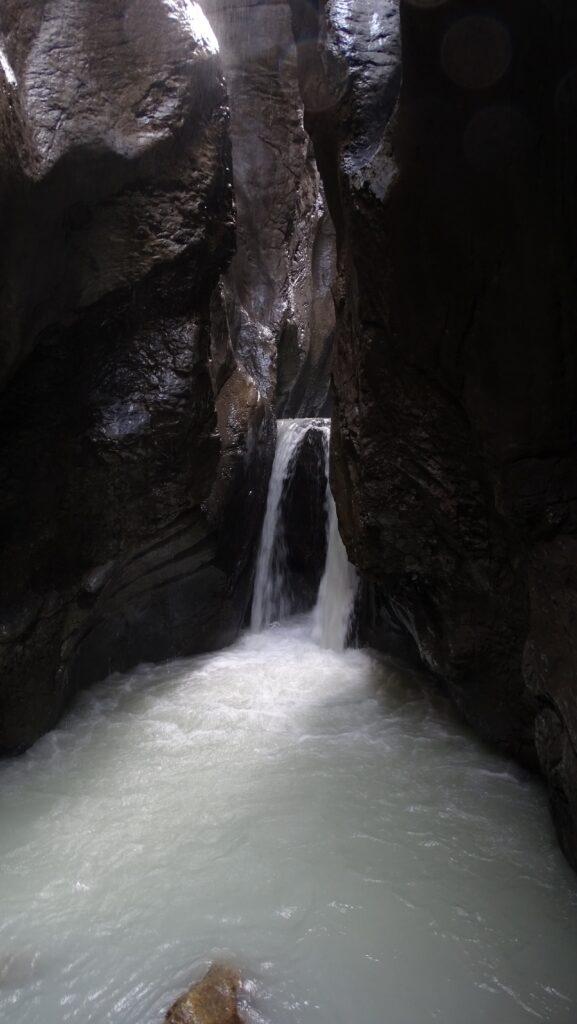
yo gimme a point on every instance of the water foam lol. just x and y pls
(323, 823)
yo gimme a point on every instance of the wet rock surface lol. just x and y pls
(453, 460)
(116, 160)
(280, 284)
(304, 515)
(211, 1001)
(128, 428)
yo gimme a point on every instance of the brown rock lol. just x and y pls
(211, 1001)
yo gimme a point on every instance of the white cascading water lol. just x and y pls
(336, 598)
(338, 589)
(339, 584)
(271, 602)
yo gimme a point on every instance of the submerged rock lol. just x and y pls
(20, 969)
(211, 1001)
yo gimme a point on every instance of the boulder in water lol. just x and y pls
(213, 1000)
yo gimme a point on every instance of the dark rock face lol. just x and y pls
(134, 446)
(304, 514)
(453, 454)
(377, 624)
(280, 282)
(116, 138)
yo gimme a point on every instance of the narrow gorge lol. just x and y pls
(287, 458)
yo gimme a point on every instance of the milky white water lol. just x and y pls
(310, 815)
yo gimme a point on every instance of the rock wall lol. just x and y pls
(279, 286)
(454, 430)
(134, 445)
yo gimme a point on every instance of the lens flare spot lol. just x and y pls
(476, 52)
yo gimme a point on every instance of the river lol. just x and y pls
(311, 815)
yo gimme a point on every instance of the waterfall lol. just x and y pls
(271, 601)
(337, 592)
(338, 589)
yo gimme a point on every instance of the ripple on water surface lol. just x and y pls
(315, 817)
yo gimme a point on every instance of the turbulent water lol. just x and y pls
(308, 814)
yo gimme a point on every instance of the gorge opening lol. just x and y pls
(225, 734)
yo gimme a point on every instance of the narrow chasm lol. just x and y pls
(287, 433)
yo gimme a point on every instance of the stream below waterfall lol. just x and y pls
(297, 808)
(309, 814)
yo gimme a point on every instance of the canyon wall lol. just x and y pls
(166, 281)
(279, 285)
(135, 447)
(450, 177)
